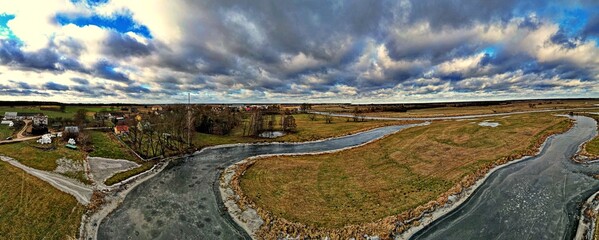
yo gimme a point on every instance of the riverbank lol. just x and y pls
(390, 226)
(589, 213)
(115, 195)
(240, 209)
(589, 151)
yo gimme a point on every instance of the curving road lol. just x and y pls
(183, 201)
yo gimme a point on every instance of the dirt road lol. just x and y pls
(80, 191)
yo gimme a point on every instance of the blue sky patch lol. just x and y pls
(121, 23)
(5, 31)
(91, 3)
(573, 21)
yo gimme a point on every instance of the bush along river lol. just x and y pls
(538, 198)
(183, 201)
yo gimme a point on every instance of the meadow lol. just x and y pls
(33, 209)
(392, 175)
(467, 110)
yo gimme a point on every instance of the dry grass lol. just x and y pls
(592, 147)
(460, 111)
(390, 176)
(32, 209)
(121, 176)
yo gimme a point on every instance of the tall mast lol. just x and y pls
(189, 119)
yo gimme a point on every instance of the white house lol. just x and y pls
(46, 139)
(10, 116)
(5, 122)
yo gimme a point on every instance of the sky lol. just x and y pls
(358, 51)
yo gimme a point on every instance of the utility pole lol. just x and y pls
(188, 120)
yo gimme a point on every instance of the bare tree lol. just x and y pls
(328, 118)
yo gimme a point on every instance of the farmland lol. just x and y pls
(462, 110)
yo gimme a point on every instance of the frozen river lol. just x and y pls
(183, 202)
(534, 199)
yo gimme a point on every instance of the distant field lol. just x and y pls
(69, 110)
(32, 209)
(459, 111)
(390, 176)
(307, 130)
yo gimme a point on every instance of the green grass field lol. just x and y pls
(5, 132)
(68, 113)
(390, 176)
(127, 174)
(36, 158)
(106, 145)
(32, 209)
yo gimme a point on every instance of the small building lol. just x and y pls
(70, 132)
(6, 122)
(40, 124)
(71, 146)
(46, 139)
(120, 129)
(10, 116)
(156, 108)
(57, 126)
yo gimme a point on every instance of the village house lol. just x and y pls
(120, 129)
(9, 123)
(39, 124)
(10, 116)
(156, 108)
(70, 132)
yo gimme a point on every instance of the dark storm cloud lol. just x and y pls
(107, 70)
(20, 92)
(47, 59)
(24, 85)
(303, 48)
(55, 86)
(80, 81)
(121, 45)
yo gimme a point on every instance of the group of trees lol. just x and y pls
(260, 121)
(161, 135)
(220, 121)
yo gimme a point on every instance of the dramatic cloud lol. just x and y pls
(297, 51)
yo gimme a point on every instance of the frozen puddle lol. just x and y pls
(488, 124)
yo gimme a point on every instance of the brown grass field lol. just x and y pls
(32, 209)
(470, 110)
(392, 175)
(592, 147)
